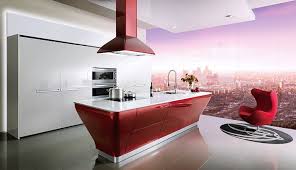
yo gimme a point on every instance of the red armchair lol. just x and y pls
(264, 112)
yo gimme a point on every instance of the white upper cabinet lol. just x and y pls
(39, 67)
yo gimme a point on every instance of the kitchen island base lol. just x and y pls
(123, 129)
(148, 148)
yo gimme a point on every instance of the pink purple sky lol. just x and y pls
(266, 44)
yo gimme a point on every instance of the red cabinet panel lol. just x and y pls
(199, 104)
(143, 136)
(150, 115)
(100, 126)
(178, 116)
(148, 124)
(170, 126)
(124, 127)
(181, 110)
(109, 130)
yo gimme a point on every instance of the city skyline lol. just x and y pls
(230, 92)
(206, 76)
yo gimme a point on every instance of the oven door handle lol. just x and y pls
(102, 85)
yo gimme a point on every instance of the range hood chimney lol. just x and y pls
(126, 41)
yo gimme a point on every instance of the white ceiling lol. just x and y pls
(263, 3)
(188, 15)
(195, 14)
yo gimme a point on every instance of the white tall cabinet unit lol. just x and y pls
(44, 78)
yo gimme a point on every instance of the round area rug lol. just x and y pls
(250, 133)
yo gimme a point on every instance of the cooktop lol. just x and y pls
(126, 99)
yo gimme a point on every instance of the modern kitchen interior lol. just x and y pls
(147, 84)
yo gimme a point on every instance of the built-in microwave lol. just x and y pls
(104, 75)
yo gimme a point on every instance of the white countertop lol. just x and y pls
(158, 98)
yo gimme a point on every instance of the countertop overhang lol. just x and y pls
(158, 98)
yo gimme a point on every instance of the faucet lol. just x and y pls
(175, 86)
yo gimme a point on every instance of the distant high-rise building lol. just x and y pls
(206, 71)
(238, 84)
(212, 79)
(281, 84)
(197, 72)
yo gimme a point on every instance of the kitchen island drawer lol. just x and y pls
(147, 116)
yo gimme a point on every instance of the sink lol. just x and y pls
(170, 92)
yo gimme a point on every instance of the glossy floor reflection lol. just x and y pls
(203, 148)
(227, 152)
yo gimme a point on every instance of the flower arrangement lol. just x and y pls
(190, 79)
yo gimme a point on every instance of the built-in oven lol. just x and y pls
(104, 75)
(102, 80)
(100, 90)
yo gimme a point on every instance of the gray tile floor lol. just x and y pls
(204, 148)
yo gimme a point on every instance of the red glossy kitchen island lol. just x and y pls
(123, 129)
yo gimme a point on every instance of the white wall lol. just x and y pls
(19, 24)
(3, 63)
(48, 19)
(31, 26)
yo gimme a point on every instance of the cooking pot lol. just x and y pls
(116, 93)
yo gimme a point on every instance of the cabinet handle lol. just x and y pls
(182, 105)
(73, 89)
(48, 91)
(162, 107)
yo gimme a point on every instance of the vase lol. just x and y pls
(190, 86)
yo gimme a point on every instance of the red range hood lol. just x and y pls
(126, 41)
